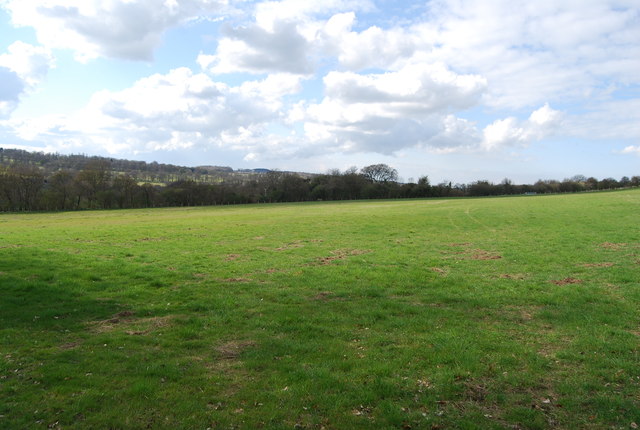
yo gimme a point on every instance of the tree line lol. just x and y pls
(28, 187)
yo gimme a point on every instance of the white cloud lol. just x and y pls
(534, 52)
(615, 119)
(270, 12)
(510, 131)
(632, 149)
(111, 28)
(386, 112)
(177, 110)
(11, 87)
(286, 36)
(30, 63)
(254, 49)
(373, 47)
(22, 68)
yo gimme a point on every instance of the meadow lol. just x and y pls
(490, 313)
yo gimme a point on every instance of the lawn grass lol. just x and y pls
(518, 312)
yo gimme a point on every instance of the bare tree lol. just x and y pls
(379, 173)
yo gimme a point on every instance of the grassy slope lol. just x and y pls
(475, 313)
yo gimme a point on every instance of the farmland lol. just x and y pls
(519, 312)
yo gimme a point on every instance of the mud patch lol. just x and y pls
(567, 281)
(232, 350)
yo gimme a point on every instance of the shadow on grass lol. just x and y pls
(47, 291)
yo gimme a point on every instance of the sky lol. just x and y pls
(458, 90)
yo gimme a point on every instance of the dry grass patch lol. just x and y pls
(235, 280)
(523, 313)
(69, 345)
(232, 350)
(481, 254)
(443, 272)
(292, 245)
(340, 254)
(472, 253)
(148, 325)
(325, 296)
(613, 246)
(135, 326)
(567, 281)
(597, 265)
(514, 276)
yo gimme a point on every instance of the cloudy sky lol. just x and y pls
(459, 90)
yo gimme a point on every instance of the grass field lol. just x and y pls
(518, 312)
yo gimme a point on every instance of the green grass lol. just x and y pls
(477, 313)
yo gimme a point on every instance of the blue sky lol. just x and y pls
(458, 90)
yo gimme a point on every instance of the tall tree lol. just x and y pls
(379, 173)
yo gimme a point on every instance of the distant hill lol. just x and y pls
(155, 173)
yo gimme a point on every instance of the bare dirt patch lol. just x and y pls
(567, 281)
(459, 244)
(232, 350)
(232, 257)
